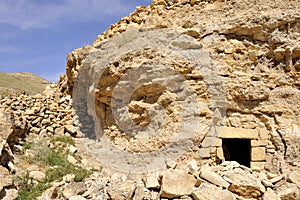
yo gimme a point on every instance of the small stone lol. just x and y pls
(276, 179)
(257, 166)
(46, 121)
(294, 177)
(72, 149)
(270, 195)
(73, 189)
(159, 2)
(68, 178)
(77, 197)
(191, 167)
(43, 132)
(72, 160)
(35, 130)
(37, 175)
(152, 181)
(50, 129)
(71, 129)
(267, 183)
(60, 130)
(171, 164)
(51, 193)
(5, 179)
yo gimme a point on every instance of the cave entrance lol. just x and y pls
(238, 150)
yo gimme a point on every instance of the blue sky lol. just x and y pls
(37, 35)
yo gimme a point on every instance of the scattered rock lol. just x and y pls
(72, 160)
(5, 178)
(213, 178)
(152, 181)
(211, 192)
(290, 193)
(51, 193)
(294, 177)
(270, 195)
(244, 184)
(73, 189)
(176, 183)
(72, 149)
(37, 175)
(77, 197)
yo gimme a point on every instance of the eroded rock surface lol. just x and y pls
(247, 87)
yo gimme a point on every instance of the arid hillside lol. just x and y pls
(16, 83)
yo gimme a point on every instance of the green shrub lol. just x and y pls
(28, 190)
(64, 139)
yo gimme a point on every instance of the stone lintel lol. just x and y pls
(239, 133)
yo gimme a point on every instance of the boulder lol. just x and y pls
(213, 177)
(51, 193)
(244, 184)
(294, 177)
(290, 193)
(176, 183)
(270, 195)
(5, 178)
(73, 189)
(208, 191)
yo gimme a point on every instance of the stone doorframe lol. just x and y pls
(260, 144)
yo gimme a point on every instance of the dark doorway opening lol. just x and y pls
(238, 150)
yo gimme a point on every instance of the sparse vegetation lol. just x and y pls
(54, 161)
(64, 139)
(28, 190)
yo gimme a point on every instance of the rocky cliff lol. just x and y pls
(253, 45)
(159, 105)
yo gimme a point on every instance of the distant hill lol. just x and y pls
(16, 83)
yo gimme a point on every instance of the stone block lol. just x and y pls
(257, 166)
(220, 153)
(210, 141)
(258, 154)
(263, 134)
(239, 133)
(204, 152)
(152, 181)
(259, 143)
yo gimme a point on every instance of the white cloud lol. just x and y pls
(28, 14)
